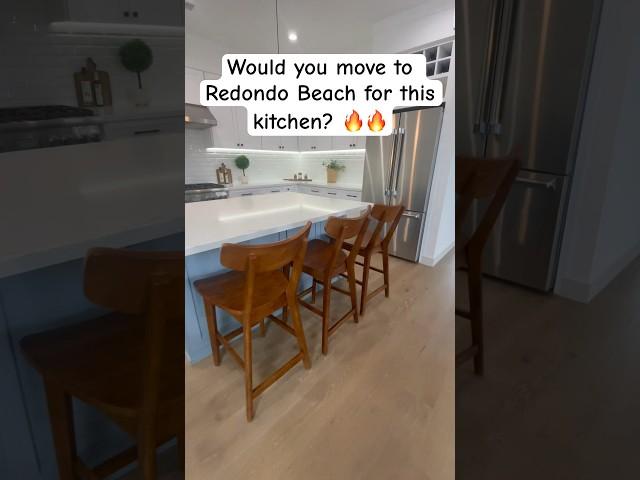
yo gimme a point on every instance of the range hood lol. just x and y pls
(197, 116)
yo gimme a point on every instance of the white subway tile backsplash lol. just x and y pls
(39, 67)
(200, 165)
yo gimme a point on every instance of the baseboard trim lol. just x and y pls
(432, 262)
(585, 292)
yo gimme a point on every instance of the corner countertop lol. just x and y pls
(279, 183)
(210, 224)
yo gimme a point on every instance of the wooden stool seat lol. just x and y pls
(127, 363)
(366, 243)
(227, 291)
(263, 279)
(318, 257)
(116, 340)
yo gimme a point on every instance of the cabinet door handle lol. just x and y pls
(331, 193)
(245, 194)
(146, 132)
(352, 196)
(135, 14)
(315, 191)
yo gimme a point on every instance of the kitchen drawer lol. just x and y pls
(142, 128)
(316, 190)
(332, 193)
(350, 195)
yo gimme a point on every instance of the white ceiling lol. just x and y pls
(323, 26)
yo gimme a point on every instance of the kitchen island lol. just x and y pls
(254, 219)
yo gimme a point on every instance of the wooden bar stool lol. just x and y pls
(324, 261)
(476, 179)
(374, 242)
(257, 285)
(129, 364)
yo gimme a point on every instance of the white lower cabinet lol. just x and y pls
(351, 195)
(307, 189)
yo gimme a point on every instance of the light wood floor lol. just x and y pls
(561, 394)
(380, 406)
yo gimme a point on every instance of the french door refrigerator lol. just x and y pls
(522, 77)
(399, 170)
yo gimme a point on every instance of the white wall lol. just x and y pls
(413, 28)
(202, 54)
(602, 233)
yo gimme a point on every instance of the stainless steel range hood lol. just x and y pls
(197, 116)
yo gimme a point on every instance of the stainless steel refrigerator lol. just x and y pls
(399, 170)
(521, 88)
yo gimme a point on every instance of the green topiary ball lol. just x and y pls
(242, 162)
(136, 56)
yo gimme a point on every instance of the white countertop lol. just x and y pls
(210, 224)
(59, 202)
(279, 183)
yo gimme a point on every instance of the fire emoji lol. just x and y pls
(376, 123)
(353, 122)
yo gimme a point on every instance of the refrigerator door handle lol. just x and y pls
(394, 132)
(549, 184)
(410, 215)
(504, 52)
(480, 125)
(401, 132)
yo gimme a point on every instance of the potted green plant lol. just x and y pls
(136, 56)
(333, 167)
(242, 162)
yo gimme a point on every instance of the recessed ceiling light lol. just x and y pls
(293, 36)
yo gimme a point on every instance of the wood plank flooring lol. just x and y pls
(380, 406)
(560, 397)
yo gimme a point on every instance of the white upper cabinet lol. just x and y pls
(224, 134)
(310, 144)
(141, 12)
(192, 79)
(280, 143)
(152, 12)
(347, 143)
(244, 139)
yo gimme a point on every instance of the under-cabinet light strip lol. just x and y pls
(255, 150)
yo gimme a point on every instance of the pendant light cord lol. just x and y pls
(277, 28)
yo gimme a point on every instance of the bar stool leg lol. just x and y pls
(313, 291)
(475, 310)
(326, 306)
(385, 269)
(61, 418)
(297, 326)
(351, 274)
(248, 370)
(213, 331)
(365, 283)
(147, 454)
(263, 328)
